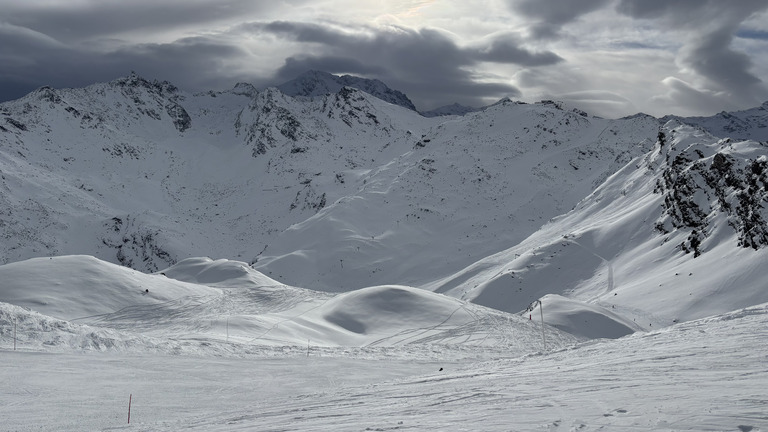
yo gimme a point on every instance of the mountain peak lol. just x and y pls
(245, 89)
(452, 109)
(314, 83)
(134, 80)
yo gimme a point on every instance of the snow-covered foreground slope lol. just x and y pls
(704, 375)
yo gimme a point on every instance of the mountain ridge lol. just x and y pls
(343, 190)
(315, 83)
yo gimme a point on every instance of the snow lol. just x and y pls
(702, 375)
(291, 185)
(76, 287)
(582, 319)
(373, 268)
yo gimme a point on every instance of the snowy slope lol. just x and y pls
(468, 188)
(375, 269)
(142, 174)
(678, 234)
(746, 124)
(705, 375)
(107, 171)
(225, 306)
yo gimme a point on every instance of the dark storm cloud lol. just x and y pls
(507, 49)
(710, 26)
(91, 19)
(301, 32)
(549, 16)
(694, 10)
(72, 44)
(30, 60)
(297, 65)
(712, 57)
(428, 65)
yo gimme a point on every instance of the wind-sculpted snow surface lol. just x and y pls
(226, 307)
(81, 287)
(701, 375)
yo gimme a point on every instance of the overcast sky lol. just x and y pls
(609, 57)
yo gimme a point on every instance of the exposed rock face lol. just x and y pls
(704, 180)
(317, 83)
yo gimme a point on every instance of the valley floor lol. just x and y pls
(705, 375)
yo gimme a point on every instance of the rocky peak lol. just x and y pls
(245, 89)
(269, 121)
(706, 180)
(134, 81)
(317, 83)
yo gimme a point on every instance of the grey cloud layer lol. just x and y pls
(550, 15)
(705, 28)
(707, 48)
(30, 61)
(213, 44)
(423, 63)
(85, 20)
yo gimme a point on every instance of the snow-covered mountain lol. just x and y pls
(376, 268)
(338, 190)
(317, 83)
(746, 124)
(679, 233)
(139, 173)
(452, 109)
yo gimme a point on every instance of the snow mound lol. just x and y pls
(384, 308)
(223, 272)
(582, 319)
(389, 316)
(79, 286)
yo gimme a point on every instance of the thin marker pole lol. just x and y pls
(130, 397)
(543, 338)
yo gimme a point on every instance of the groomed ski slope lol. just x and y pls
(704, 375)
